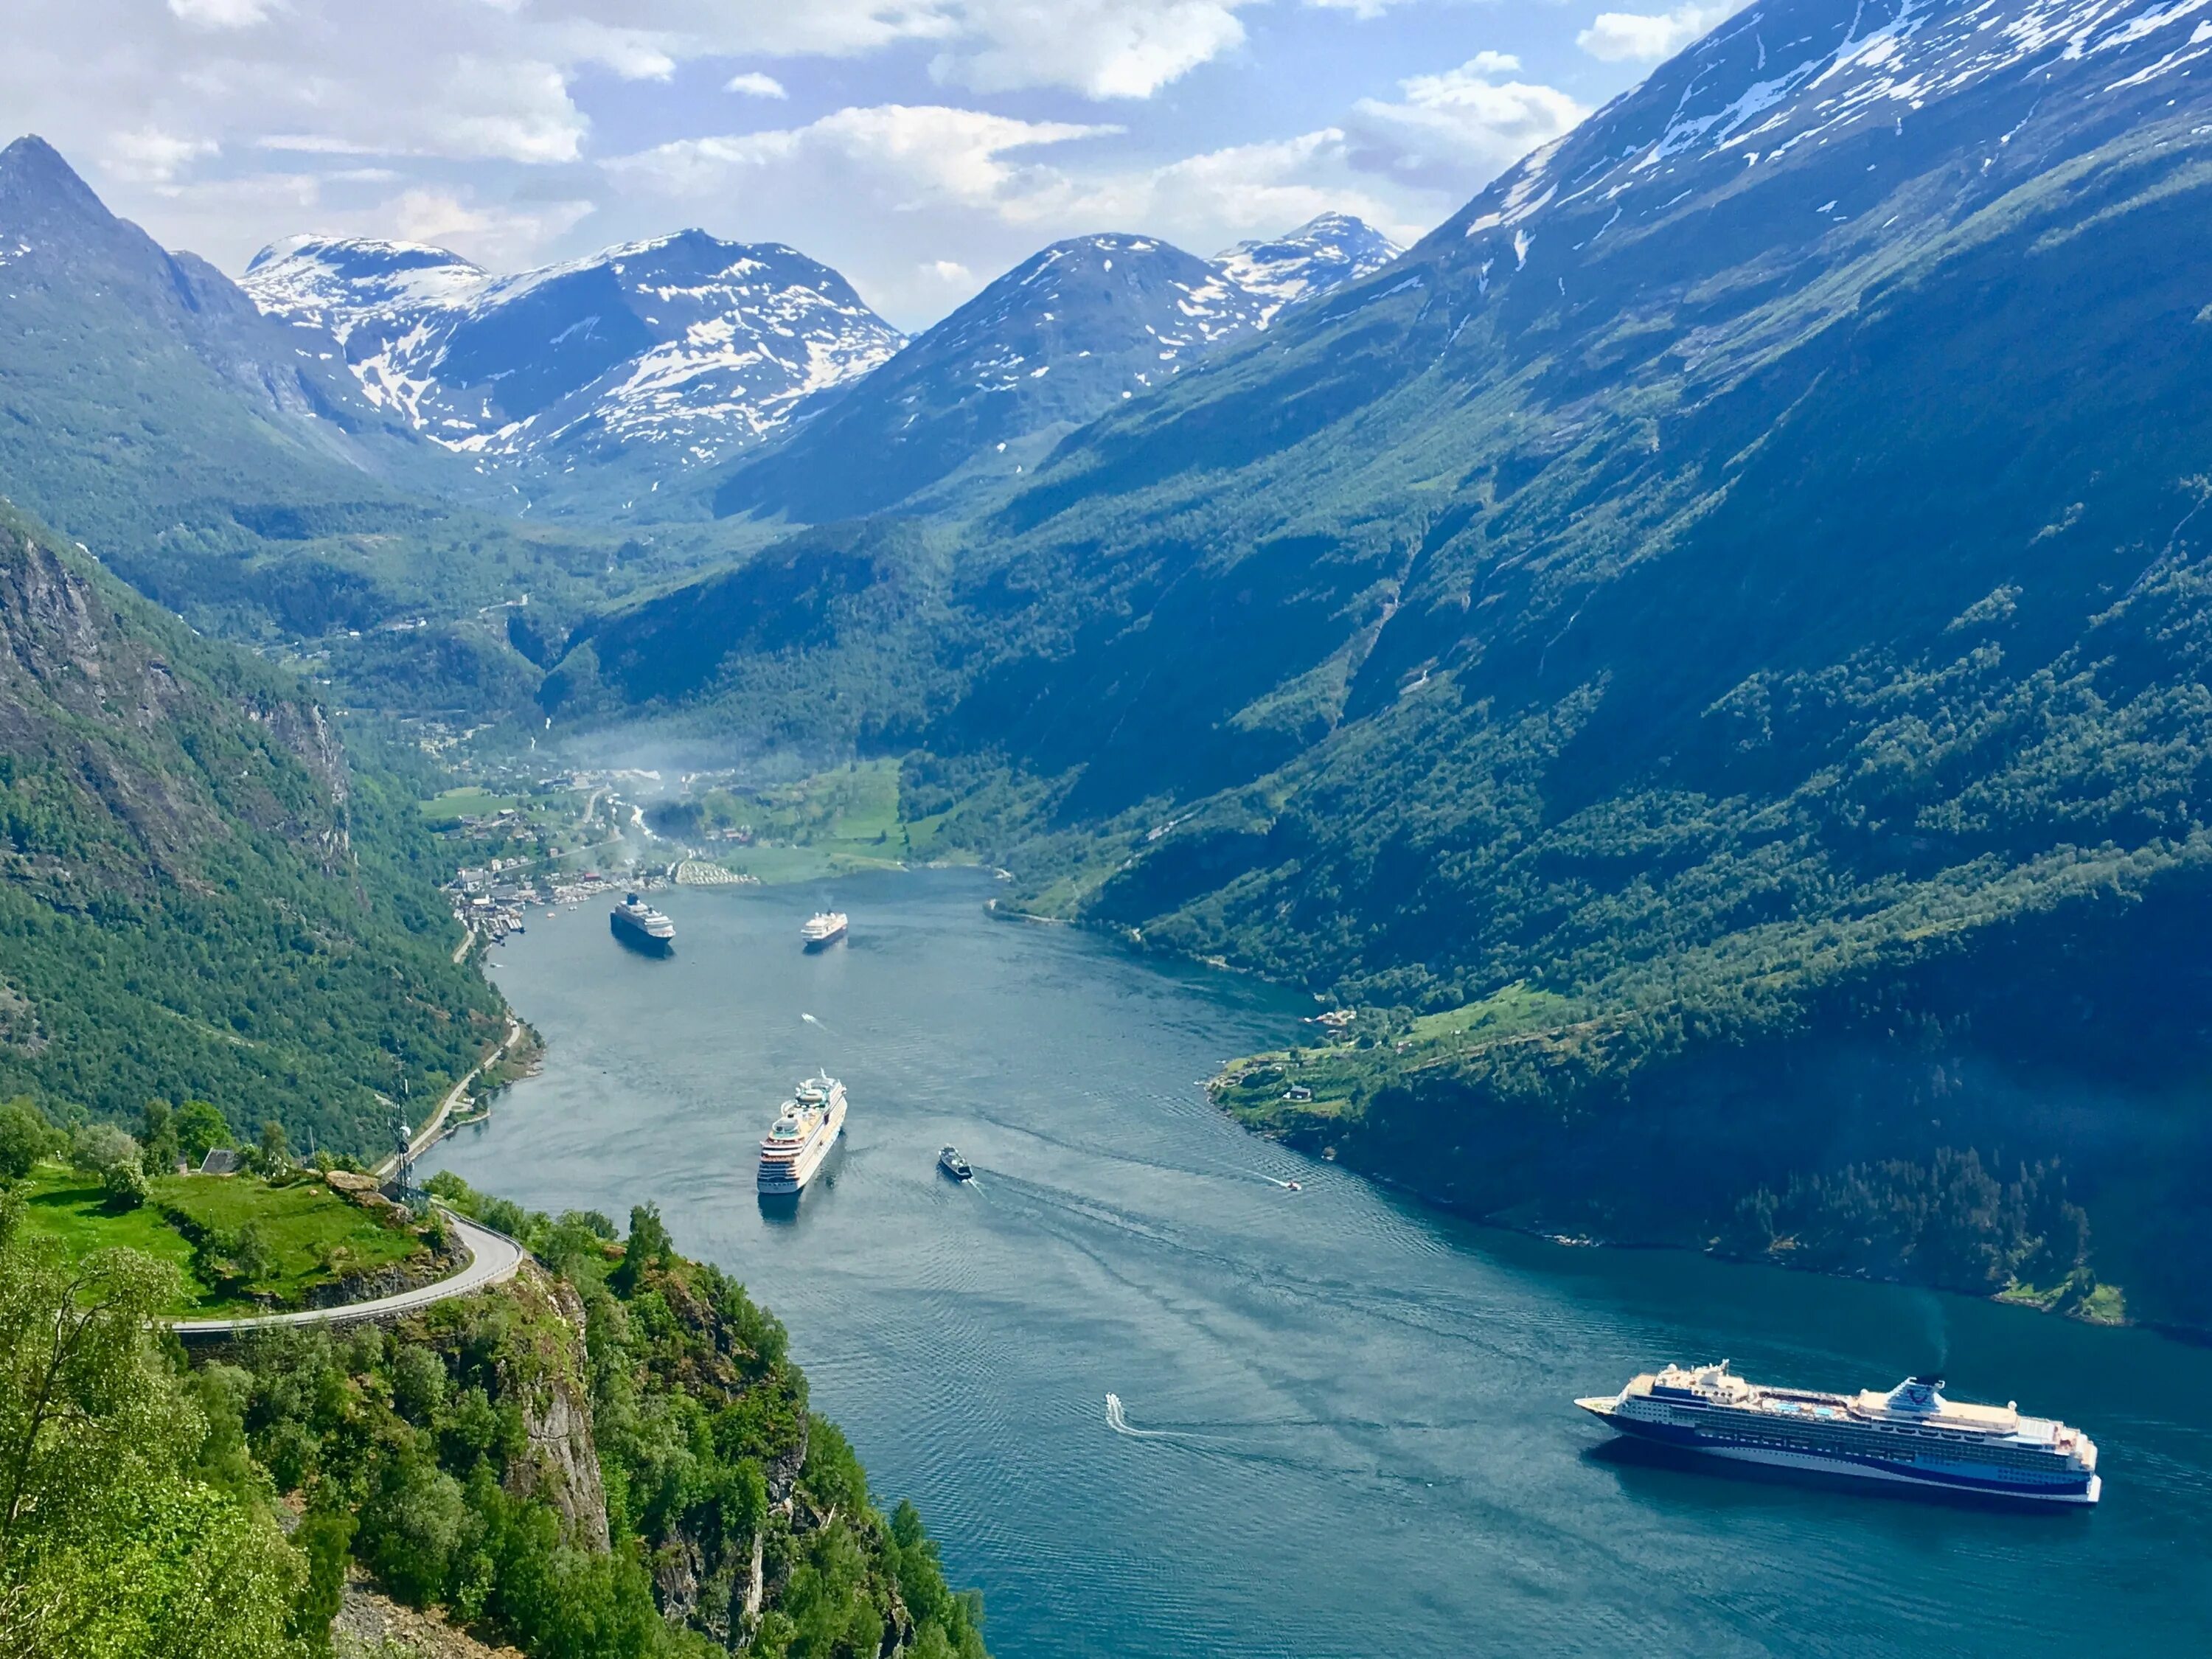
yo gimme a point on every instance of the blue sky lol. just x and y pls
(920, 146)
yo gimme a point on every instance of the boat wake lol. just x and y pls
(1118, 1420)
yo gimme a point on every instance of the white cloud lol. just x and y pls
(1453, 131)
(222, 124)
(909, 180)
(151, 157)
(1618, 37)
(1360, 8)
(494, 236)
(632, 54)
(754, 84)
(904, 156)
(1102, 48)
(1241, 191)
(222, 13)
(515, 112)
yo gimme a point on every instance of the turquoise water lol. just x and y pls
(1347, 1425)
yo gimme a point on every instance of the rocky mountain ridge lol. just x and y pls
(662, 355)
(973, 403)
(627, 370)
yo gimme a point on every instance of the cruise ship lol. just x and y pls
(801, 1137)
(641, 927)
(823, 927)
(1910, 1435)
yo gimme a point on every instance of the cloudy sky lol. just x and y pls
(920, 146)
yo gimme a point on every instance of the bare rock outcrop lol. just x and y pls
(544, 1369)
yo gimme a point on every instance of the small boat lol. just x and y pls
(824, 928)
(953, 1164)
(1292, 1187)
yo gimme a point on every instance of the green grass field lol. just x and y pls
(69, 1207)
(1502, 1013)
(313, 1235)
(469, 801)
(834, 823)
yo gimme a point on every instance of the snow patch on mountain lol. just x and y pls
(684, 348)
(1323, 253)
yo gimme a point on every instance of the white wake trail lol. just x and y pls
(1118, 1420)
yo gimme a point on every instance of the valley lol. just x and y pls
(1623, 663)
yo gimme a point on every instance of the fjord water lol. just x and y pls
(1345, 1427)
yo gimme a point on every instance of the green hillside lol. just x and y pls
(202, 894)
(1757, 606)
(611, 1456)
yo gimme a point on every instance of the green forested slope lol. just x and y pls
(1742, 576)
(200, 897)
(610, 1456)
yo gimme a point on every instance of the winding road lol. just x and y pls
(494, 1258)
(431, 1130)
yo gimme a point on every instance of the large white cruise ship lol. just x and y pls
(641, 927)
(801, 1137)
(1911, 1434)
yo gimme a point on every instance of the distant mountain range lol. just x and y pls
(664, 355)
(151, 410)
(618, 374)
(1054, 343)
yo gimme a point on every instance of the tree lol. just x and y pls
(649, 1245)
(418, 1384)
(110, 1541)
(276, 1151)
(25, 1138)
(124, 1185)
(96, 1148)
(158, 1135)
(252, 1255)
(324, 1537)
(200, 1128)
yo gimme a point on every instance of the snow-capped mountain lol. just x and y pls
(1323, 253)
(672, 353)
(1068, 333)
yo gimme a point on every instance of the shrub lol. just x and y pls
(96, 1148)
(124, 1185)
(25, 1138)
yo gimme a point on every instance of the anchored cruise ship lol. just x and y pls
(823, 928)
(801, 1137)
(1911, 1434)
(640, 927)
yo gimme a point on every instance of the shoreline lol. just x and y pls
(2188, 1336)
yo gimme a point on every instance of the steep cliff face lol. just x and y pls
(546, 1372)
(183, 860)
(602, 1456)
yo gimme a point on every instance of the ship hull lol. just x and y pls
(630, 933)
(2079, 1490)
(825, 941)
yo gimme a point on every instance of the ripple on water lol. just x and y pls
(1355, 1434)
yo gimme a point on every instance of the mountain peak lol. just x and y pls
(1327, 251)
(355, 252)
(682, 348)
(33, 172)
